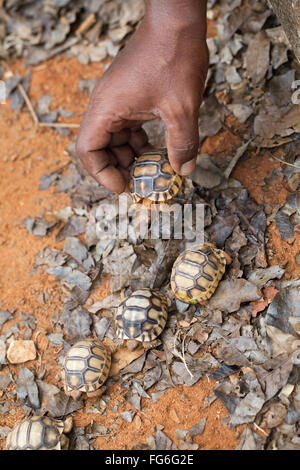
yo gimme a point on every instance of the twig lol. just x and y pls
(181, 356)
(28, 102)
(59, 124)
(260, 429)
(240, 152)
(86, 24)
(286, 163)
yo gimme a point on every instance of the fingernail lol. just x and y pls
(188, 167)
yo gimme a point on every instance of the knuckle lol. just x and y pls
(178, 111)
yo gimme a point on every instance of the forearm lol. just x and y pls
(178, 13)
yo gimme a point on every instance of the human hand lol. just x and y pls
(160, 73)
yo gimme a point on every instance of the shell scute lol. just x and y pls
(86, 366)
(197, 272)
(36, 433)
(142, 316)
(152, 177)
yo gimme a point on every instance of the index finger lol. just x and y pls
(93, 138)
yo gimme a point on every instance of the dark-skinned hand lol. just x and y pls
(161, 73)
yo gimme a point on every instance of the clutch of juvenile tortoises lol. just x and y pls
(142, 317)
(86, 368)
(38, 433)
(153, 178)
(196, 273)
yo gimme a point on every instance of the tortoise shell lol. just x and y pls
(142, 316)
(197, 272)
(152, 177)
(86, 366)
(36, 433)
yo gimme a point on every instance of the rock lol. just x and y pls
(21, 351)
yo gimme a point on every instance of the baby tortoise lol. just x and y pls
(142, 317)
(86, 368)
(39, 433)
(153, 178)
(196, 273)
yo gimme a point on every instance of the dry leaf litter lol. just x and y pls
(247, 337)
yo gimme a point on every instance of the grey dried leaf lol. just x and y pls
(77, 324)
(243, 343)
(249, 406)
(231, 293)
(257, 57)
(98, 430)
(273, 415)
(226, 392)
(43, 104)
(88, 85)
(273, 374)
(197, 429)
(5, 315)
(26, 387)
(128, 415)
(206, 173)
(50, 257)
(38, 226)
(261, 276)
(71, 276)
(17, 99)
(280, 88)
(101, 326)
(211, 115)
(135, 366)
(221, 229)
(5, 380)
(224, 371)
(80, 443)
(60, 405)
(2, 352)
(183, 445)
(163, 442)
(283, 312)
(75, 248)
(133, 399)
(58, 35)
(11, 84)
(68, 180)
(182, 376)
(279, 55)
(151, 377)
(232, 21)
(250, 440)
(139, 389)
(76, 225)
(78, 296)
(46, 390)
(256, 21)
(56, 338)
(232, 356)
(284, 224)
(181, 433)
(241, 111)
(107, 303)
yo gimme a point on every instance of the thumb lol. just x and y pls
(182, 142)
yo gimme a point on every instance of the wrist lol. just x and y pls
(179, 12)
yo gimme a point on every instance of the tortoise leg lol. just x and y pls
(132, 344)
(64, 442)
(97, 393)
(75, 394)
(151, 344)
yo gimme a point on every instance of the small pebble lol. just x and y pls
(21, 351)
